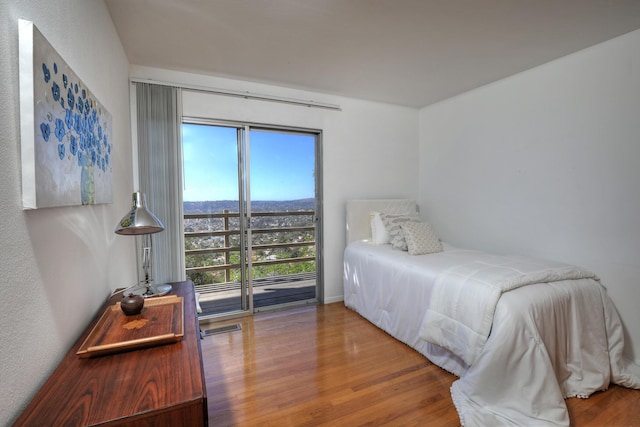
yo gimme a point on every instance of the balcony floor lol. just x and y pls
(225, 298)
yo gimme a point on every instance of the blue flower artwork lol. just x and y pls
(66, 132)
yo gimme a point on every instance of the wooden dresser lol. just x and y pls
(157, 386)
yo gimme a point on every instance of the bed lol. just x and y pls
(521, 334)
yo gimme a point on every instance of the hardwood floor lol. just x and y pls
(327, 366)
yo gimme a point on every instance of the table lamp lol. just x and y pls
(140, 221)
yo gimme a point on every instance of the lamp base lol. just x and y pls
(149, 291)
(157, 290)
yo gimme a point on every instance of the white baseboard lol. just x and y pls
(334, 299)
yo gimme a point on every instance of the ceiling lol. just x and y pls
(406, 52)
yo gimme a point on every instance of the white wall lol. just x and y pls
(546, 163)
(57, 265)
(368, 148)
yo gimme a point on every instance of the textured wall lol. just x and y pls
(57, 265)
(545, 163)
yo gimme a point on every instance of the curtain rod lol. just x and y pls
(241, 94)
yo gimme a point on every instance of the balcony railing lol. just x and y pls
(225, 234)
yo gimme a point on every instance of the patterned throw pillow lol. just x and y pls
(420, 238)
(393, 223)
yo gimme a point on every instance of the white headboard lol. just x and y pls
(358, 222)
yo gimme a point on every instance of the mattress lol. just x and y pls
(548, 341)
(392, 290)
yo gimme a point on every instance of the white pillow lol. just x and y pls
(379, 235)
(392, 223)
(420, 238)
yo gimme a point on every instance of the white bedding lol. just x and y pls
(460, 313)
(548, 341)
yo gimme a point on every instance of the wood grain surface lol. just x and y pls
(161, 321)
(327, 366)
(160, 386)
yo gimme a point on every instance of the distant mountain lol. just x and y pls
(217, 206)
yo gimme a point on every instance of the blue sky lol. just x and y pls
(282, 164)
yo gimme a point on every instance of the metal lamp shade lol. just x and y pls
(139, 220)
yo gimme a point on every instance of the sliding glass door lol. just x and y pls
(252, 216)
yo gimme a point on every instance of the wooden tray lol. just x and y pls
(159, 322)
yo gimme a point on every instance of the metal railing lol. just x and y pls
(228, 231)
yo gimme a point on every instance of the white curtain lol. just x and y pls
(160, 170)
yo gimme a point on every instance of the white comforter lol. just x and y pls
(460, 313)
(547, 341)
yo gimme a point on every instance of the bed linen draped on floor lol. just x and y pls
(548, 341)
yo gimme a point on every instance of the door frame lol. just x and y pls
(243, 129)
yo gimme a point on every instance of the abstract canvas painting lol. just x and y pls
(66, 143)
